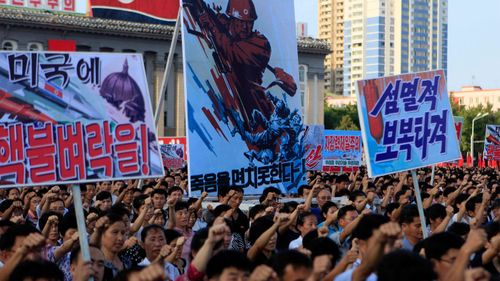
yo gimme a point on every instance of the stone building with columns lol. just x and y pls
(30, 30)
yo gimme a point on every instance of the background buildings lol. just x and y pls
(374, 38)
(25, 29)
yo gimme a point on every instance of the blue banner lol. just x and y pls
(243, 106)
(342, 148)
(406, 122)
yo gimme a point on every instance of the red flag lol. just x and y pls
(149, 11)
(62, 45)
(461, 161)
(469, 160)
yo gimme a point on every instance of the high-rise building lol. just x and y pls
(421, 35)
(382, 37)
(368, 41)
(331, 28)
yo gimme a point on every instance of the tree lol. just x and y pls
(347, 124)
(469, 114)
(334, 116)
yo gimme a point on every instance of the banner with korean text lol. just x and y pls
(176, 140)
(243, 106)
(406, 122)
(75, 117)
(313, 146)
(65, 6)
(492, 143)
(172, 156)
(342, 150)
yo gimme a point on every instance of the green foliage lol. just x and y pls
(342, 118)
(347, 124)
(469, 114)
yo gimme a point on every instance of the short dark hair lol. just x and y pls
(146, 230)
(5, 204)
(171, 235)
(139, 201)
(390, 208)
(160, 192)
(255, 210)
(73, 257)
(103, 195)
(459, 228)
(342, 193)
(173, 189)
(8, 239)
(367, 224)
(470, 206)
(220, 209)
(199, 239)
(258, 227)
(302, 217)
(181, 205)
(327, 206)
(405, 265)
(226, 259)
(408, 213)
(436, 211)
(343, 211)
(270, 189)
(35, 270)
(120, 209)
(300, 190)
(439, 244)
(323, 246)
(355, 194)
(289, 257)
(68, 221)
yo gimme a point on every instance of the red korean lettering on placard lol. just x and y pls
(12, 153)
(126, 149)
(41, 153)
(34, 3)
(53, 4)
(69, 5)
(19, 3)
(71, 154)
(99, 141)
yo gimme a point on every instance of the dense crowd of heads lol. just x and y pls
(336, 227)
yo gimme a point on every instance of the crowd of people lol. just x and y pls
(151, 230)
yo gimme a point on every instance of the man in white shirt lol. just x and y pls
(153, 240)
(306, 222)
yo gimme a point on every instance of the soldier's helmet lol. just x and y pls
(242, 10)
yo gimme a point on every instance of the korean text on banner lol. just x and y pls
(172, 156)
(342, 149)
(406, 122)
(66, 6)
(314, 141)
(176, 140)
(243, 108)
(75, 117)
(492, 143)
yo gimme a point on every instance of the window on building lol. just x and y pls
(35, 46)
(9, 45)
(303, 85)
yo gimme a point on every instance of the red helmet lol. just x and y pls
(242, 10)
